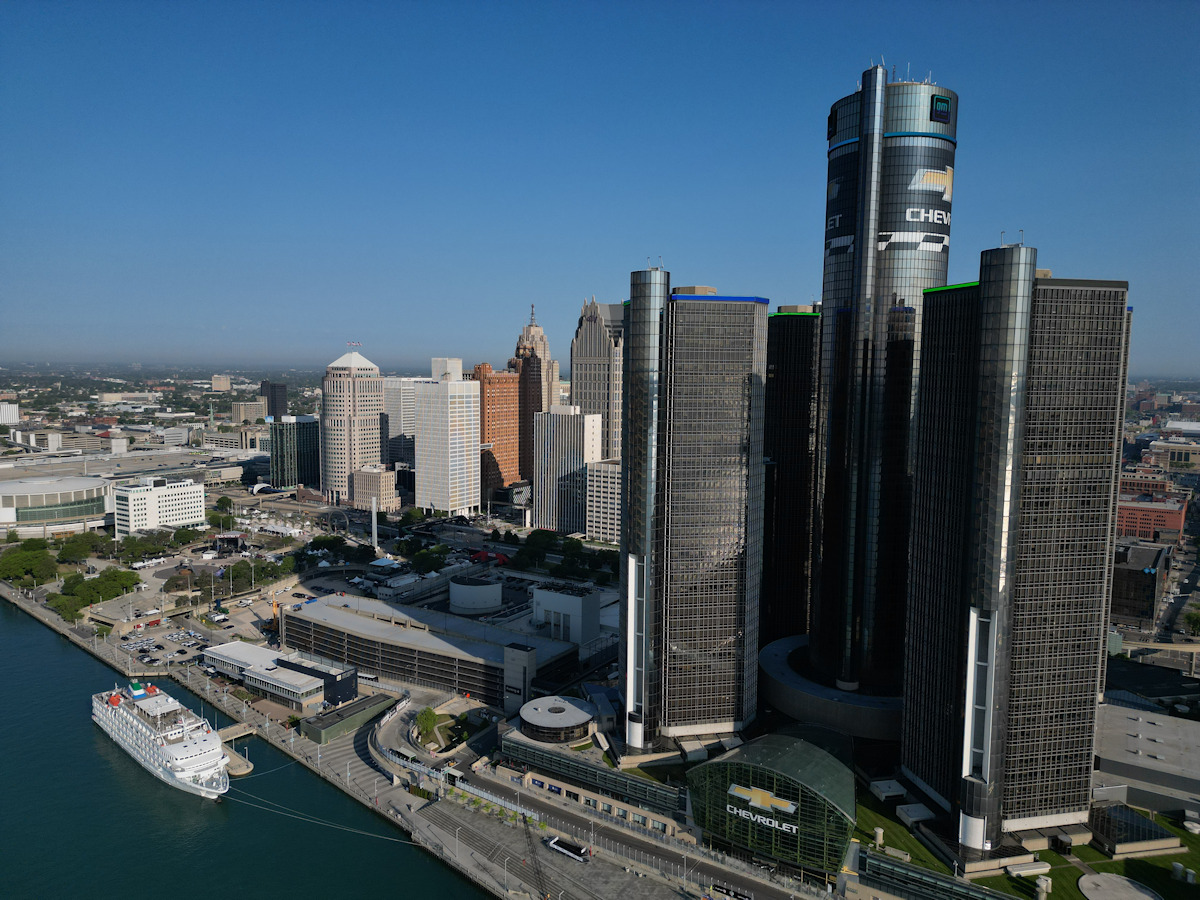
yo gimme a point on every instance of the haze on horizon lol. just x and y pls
(253, 185)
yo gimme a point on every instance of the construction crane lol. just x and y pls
(538, 884)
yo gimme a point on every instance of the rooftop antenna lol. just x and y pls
(908, 73)
(893, 71)
(1002, 239)
(647, 262)
(1021, 231)
(661, 264)
(532, 317)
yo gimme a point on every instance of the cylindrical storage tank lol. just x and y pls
(555, 720)
(475, 596)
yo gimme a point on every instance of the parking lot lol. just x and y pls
(163, 644)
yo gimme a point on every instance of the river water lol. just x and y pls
(80, 818)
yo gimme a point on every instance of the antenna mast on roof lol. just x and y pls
(532, 317)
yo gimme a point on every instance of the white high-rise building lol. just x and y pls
(154, 502)
(351, 422)
(604, 501)
(10, 414)
(564, 442)
(447, 440)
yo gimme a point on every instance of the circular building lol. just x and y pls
(54, 505)
(777, 796)
(556, 720)
(475, 596)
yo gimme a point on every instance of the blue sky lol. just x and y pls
(258, 183)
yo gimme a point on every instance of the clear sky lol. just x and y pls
(259, 182)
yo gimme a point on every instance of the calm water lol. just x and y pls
(79, 818)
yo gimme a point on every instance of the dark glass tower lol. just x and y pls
(693, 493)
(295, 452)
(274, 393)
(891, 181)
(1019, 435)
(789, 433)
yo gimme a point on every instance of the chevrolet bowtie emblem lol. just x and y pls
(941, 180)
(760, 799)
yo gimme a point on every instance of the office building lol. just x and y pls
(564, 442)
(274, 394)
(604, 501)
(375, 485)
(691, 551)
(221, 384)
(351, 422)
(1140, 571)
(447, 441)
(533, 342)
(887, 234)
(596, 360)
(789, 442)
(151, 503)
(499, 429)
(530, 402)
(400, 408)
(1018, 436)
(295, 452)
(249, 413)
(10, 414)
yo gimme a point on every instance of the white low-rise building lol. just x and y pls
(151, 503)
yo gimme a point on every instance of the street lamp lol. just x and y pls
(456, 830)
(506, 874)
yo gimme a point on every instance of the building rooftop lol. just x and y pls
(558, 712)
(352, 360)
(243, 654)
(51, 485)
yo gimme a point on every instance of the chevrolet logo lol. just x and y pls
(934, 180)
(760, 799)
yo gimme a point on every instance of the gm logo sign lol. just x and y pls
(764, 800)
(939, 109)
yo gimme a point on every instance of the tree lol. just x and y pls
(495, 534)
(426, 722)
(1191, 621)
(512, 538)
(224, 504)
(381, 517)
(411, 516)
(186, 535)
(13, 537)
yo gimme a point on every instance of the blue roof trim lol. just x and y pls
(928, 134)
(714, 297)
(833, 147)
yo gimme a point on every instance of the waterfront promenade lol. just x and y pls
(491, 850)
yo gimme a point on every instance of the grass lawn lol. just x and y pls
(1065, 884)
(672, 772)
(579, 748)
(871, 813)
(1088, 854)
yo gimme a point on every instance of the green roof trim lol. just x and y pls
(952, 287)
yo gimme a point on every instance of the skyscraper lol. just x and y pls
(789, 442)
(530, 401)
(400, 408)
(691, 555)
(499, 428)
(274, 394)
(596, 363)
(1018, 437)
(351, 422)
(295, 452)
(564, 442)
(533, 341)
(447, 441)
(891, 181)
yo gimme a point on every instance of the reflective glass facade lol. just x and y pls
(692, 548)
(891, 183)
(296, 452)
(1015, 508)
(779, 797)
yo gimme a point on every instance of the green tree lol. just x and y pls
(426, 722)
(186, 535)
(224, 504)
(13, 537)
(495, 534)
(411, 516)
(1191, 621)
(512, 538)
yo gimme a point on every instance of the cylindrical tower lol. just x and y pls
(891, 182)
(649, 291)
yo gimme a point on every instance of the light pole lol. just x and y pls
(456, 830)
(506, 874)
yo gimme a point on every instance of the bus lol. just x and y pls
(567, 848)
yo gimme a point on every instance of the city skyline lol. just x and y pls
(175, 164)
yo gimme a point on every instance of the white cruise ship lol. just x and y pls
(167, 738)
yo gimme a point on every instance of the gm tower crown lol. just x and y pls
(887, 238)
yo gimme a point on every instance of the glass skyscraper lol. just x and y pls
(1019, 439)
(891, 182)
(693, 492)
